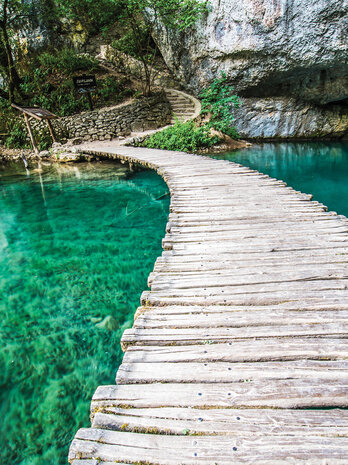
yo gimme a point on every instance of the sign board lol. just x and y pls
(84, 83)
(40, 114)
(37, 113)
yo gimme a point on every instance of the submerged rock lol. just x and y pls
(109, 323)
(270, 48)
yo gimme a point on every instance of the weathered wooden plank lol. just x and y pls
(212, 280)
(239, 319)
(296, 348)
(251, 208)
(236, 274)
(264, 216)
(302, 306)
(187, 287)
(228, 372)
(176, 450)
(173, 264)
(191, 289)
(321, 227)
(164, 270)
(231, 422)
(258, 245)
(184, 336)
(279, 394)
(270, 233)
(268, 255)
(259, 298)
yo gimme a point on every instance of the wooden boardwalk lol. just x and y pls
(238, 354)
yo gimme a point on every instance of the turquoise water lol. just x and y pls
(76, 246)
(318, 168)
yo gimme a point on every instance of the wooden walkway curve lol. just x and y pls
(238, 354)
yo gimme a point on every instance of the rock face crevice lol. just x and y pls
(294, 50)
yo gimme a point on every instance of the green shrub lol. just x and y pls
(17, 137)
(185, 137)
(66, 61)
(112, 89)
(218, 100)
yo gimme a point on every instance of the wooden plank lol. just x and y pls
(270, 254)
(165, 268)
(261, 298)
(278, 394)
(313, 305)
(249, 274)
(220, 450)
(185, 336)
(173, 264)
(285, 289)
(265, 216)
(256, 245)
(164, 282)
(189, 288)
(251, 208)
(293, 233)
(228, 372)
(240, 319)
(295, 348)
(231, 422)
(230, 227)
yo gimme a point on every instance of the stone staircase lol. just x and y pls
(184, 106)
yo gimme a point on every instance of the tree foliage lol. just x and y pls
(95, 16)
(137, 39)
(218, 101)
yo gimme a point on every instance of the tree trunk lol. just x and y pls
(13, 76)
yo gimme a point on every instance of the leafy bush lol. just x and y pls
(66, 61)
(17, 131)
(185, 137)
(110, 88)
(218, 100)
(18, 135)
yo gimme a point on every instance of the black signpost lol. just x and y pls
(86, 84)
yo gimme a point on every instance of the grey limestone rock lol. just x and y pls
(284, 118)
(268, 48)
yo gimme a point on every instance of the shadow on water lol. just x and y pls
(76, 246)
(318, 168)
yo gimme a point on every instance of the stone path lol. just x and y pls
(238, 353)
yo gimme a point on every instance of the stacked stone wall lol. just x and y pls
(107, 123)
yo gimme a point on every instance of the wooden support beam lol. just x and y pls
(31, 134)
(50, 127)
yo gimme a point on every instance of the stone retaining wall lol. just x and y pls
(107, 123)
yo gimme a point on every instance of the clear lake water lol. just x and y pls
(77, 243)
(318, 168)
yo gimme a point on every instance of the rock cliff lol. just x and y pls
(292, 54)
